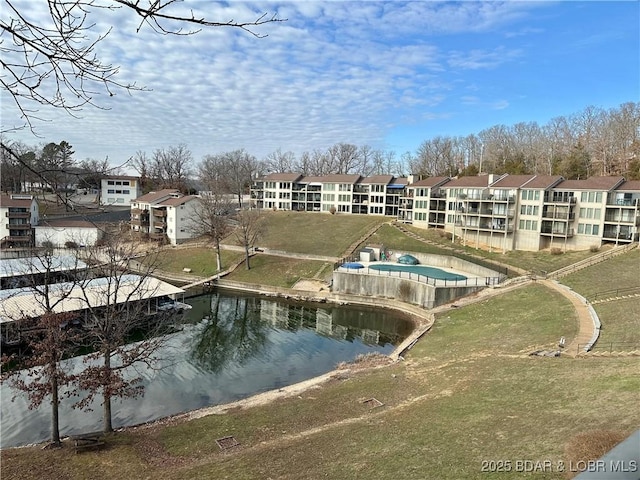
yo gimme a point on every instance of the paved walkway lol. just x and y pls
(586, 327)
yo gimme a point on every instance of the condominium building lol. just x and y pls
(165, 215)
(19, 213)
(119, 190)
(499, 212)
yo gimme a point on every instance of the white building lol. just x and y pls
(18, 214)
(64, 233)
(165, 215)
(119, 190)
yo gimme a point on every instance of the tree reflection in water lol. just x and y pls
(235, 329)
(232, 332)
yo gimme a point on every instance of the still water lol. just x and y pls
(230, 347)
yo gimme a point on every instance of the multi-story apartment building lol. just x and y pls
(119, 190)
(424, 203)
(19, 214)
(165, 215)
(501, 212)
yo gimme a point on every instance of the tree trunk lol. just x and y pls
(106, 395)
(55, 414)
(246, 256)
(218, 255)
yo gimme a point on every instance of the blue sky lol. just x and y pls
(385, 74)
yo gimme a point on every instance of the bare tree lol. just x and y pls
(115, 307)
(250, 224)
(53, 59)
(211, 218)
(45, 331)
(280, 162)
(15, 169)
(230, 172)
(171, 167)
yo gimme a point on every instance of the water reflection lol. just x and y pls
(229, 347)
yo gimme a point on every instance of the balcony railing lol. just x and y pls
(18, 226)
(159, 213)
(559, 199)
(561, 233)
(624, 202)
(615, 217)
(18, 238)
(18, 214)
(559, 215)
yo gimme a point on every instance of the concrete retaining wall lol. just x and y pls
(409, 291)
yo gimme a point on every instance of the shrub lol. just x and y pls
(594, 248)
(47, 244)
(332, 210)
(71, 244)
(556, 251)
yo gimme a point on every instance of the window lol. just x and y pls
(126, 192)
(110, 182)
(125, 182)
(344, 208)
(111, 191)
(344, 198)
(330, 187)
(328, 197)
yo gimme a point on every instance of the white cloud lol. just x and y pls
(334, 71)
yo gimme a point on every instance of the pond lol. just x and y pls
(229, 347)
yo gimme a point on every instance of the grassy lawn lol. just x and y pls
(466, 393)
(308, 232)
(622, 271)
(201, 261)
(279, 271)
(530, 261)
(620, 318)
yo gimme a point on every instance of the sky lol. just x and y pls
(387, 74)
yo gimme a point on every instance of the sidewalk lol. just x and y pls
(586, 327)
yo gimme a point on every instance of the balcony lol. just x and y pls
(18, 214)
(621, 217)
(556, 230)
(18, 238)
(18, 226)
(159, 224)
(559, 215)
(620, 234)
(624, 202)
(159, 213)
(559, 199)
(140, 221)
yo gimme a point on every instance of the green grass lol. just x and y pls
(620, 272)
(277, 271)
(467, 392)
(313, 233)
(530, 261)
(620, 318)
(201, 261)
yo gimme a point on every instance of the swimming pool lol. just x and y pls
(431, 272)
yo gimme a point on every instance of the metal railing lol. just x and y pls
(417, 277)
(610, 347)
(618, 292)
